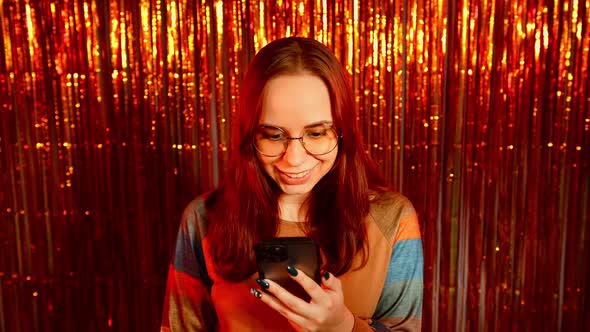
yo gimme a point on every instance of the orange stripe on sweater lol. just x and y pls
(183, 284)
(408, 229)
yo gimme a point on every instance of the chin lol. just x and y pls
(296, 190)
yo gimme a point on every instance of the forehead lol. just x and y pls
(294, 101)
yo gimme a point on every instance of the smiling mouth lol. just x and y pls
(297, 175)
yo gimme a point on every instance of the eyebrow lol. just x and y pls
(315, 124)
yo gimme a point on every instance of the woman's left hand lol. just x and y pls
(325, 312)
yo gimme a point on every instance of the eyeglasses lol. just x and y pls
(317, 140)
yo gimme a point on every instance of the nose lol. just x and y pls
(295, 154)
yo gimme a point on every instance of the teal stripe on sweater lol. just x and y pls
(402, 292)
(404, 299)
(406, 261)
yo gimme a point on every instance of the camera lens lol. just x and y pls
(279, 253)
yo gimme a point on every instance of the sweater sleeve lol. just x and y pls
(187, 304)
(400, 305)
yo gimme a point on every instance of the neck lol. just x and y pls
(292, 207)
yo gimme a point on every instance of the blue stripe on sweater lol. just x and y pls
(190, 259)
(406, 261)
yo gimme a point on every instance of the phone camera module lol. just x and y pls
(279, 253)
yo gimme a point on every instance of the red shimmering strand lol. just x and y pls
(114, 115)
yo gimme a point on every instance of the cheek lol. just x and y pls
(330, 159)
(327, 163)
(266, 163)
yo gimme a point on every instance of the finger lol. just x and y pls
(290, 300)
(277, 305)
(330, 282)
(302, 310)
(315, 291)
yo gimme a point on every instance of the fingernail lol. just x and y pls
(291, 270)
(326, 275)
(263, 283)
(255, 292)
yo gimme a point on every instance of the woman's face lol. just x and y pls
(294, 103)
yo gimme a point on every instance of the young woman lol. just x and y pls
(298, 168)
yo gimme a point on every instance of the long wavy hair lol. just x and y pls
(244, 208)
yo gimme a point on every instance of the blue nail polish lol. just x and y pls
(263, 284)
(326, 275)
(291, 270)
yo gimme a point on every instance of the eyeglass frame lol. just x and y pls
(287, 139)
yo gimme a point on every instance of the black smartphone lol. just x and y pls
(275, 254)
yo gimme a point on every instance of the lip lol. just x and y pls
(302, 177)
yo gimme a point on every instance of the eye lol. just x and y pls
(272, 134)
(316, 133)
(274, 137)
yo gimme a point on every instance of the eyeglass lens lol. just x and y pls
(317, 140)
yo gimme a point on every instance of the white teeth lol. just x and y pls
(298, 175)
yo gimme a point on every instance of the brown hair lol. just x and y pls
(244, 208)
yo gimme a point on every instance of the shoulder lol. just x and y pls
(195, 217)
(189, 256)
(389, 209)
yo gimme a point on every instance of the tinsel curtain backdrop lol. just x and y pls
(115, 114)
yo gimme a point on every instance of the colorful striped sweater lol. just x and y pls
(384, 295)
